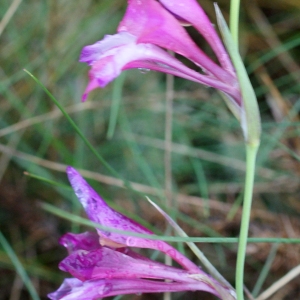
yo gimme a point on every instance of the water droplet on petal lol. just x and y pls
(143, 70)
(172, 253)
(131, 242)
(122, 28)
(104, 289)
(160, 246)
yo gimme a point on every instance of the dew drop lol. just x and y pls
(104, 289)
(160, 246)
(123, 28)
(143, 70)
(172, 253)
(131, 242)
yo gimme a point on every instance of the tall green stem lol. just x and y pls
(234, 20)
(251, 151)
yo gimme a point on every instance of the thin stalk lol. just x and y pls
(251, 152)
(19, 267)
(265, 270)
(279, 283)
(9, 14)
(234, 20)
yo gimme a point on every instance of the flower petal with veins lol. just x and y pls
(99, 212)
(74, 289)
(148, 29)
(192, 12)
(108, 263)
(151, 23)
(103, 265)
(115, 53)
(84, 241)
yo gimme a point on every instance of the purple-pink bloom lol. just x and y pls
(148, 29)
(98, 211)
(103, 265)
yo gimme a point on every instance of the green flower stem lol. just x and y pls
(234, 20)
(251, 152)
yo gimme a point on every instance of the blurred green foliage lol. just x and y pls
(46, 37)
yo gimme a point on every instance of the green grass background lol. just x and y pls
(125, 123)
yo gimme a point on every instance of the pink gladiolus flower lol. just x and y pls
(148, 29)
(103, 265)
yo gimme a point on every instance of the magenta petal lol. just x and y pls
(99, 212)
(107, 63)
(67, 286)
(81, 241)
(189, 74)
(105, 70)
(151, 23)
(102, 272)
(192, 12)
(92, 53)
(115, 53)
(101, 56)
(93, 84)
(107, 263)
(97, 289)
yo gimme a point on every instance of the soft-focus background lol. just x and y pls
(125, 122)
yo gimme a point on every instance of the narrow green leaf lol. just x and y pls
(265, 271)
(46, 180)
(211, 269)
(19, 267)
(76, 128)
